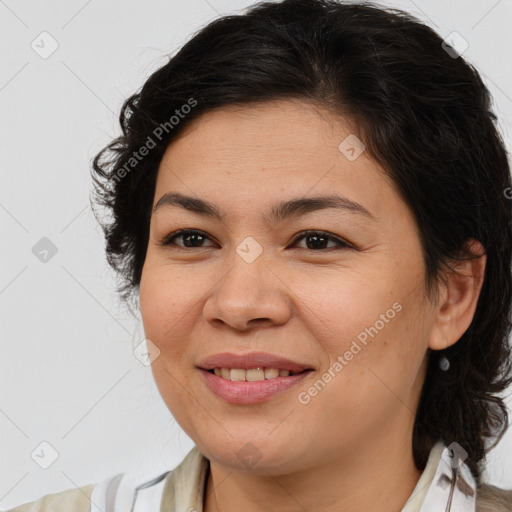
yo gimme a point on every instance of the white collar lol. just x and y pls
(453, 488)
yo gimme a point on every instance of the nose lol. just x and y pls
(249, 295)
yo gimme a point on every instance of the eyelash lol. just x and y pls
(343, 245)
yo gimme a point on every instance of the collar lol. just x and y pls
(453, 487)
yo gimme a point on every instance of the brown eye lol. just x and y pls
(318, 239)
(191, 238)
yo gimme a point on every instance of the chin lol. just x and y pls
(257, 455)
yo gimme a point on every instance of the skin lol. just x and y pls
(350, 447)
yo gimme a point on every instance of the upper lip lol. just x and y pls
(251, 360)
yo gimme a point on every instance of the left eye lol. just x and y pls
(317, 239)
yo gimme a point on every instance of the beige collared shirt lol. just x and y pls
(182, 490)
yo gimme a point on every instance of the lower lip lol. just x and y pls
(243, 392)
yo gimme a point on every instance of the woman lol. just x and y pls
(309, 204)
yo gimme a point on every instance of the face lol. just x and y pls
(345, 300)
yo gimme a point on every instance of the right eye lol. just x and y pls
(190, 237)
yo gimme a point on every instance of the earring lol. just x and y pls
(444, 364)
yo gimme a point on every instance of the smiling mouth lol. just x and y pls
(252, 374)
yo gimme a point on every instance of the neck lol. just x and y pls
(382, 477)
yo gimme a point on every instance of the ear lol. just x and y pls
(458, 296)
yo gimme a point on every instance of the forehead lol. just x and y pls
(265, 129)
(270, 151)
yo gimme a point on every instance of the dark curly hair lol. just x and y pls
(424, 115)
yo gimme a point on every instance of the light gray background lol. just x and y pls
(68, 374)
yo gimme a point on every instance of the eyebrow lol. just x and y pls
(278, 212)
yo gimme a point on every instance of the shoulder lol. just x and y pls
(123, 491)
(76, 500)
(490, 498)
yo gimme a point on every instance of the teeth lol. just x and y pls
(251, 375)
(255, 374)
(237, 374)
(271, 373)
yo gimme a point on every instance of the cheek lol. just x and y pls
(367, 329)
(365, 383)
(342, 304)
(165, 297)
(163, 306)
(160, 308)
